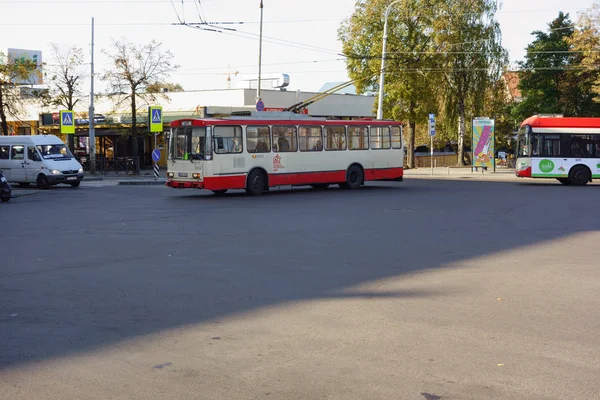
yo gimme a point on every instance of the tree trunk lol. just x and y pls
(134, 138)
(410, 146)
(3, 114)
(461, 134)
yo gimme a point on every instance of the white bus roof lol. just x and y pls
(31, 139)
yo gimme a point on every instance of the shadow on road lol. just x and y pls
(120, 263)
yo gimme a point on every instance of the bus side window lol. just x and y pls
(258, 139)
(335, 138)
(396, 137)
(284, 139)
(358, 138)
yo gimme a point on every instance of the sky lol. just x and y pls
(300, 38)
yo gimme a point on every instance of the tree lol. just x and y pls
(158, 87)
(66, 75)
(410, 89)
(585, 42)
(443, 55)
(135, 68)
(11, 71)
(469, 38)
(546, 81)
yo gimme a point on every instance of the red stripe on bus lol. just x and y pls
(305, 178)
(524, 173)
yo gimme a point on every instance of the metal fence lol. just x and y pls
(105, 165)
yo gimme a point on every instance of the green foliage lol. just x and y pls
(10, 72)
(442, 55)
(559, 70)
(585, 42)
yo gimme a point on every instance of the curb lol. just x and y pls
(152, 182)
(92, 179)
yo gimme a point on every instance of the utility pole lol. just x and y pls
(91, 116)
(382, 71)
(260, 52)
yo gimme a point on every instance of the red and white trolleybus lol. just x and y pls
(567, 149)
(282, 148)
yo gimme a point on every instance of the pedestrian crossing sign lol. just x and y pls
(155, 119)
(67, 122)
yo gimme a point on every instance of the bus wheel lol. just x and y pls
(42, 182)
(220, 192)
(354, 177)
(320, 186)
(564, 181)
(579, 175)
(256, 183)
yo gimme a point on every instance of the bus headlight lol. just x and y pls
(196, 176)
(170, 174)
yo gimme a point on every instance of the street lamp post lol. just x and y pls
(260, 52)
(382, 72)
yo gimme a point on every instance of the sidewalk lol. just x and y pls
(146, 177)
(458, 173)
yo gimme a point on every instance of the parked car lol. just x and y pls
(5, 190)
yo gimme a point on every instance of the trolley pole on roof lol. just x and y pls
(260, 52)
(382, 72)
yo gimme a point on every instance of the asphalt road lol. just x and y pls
(417, 290)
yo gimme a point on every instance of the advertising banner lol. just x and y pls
(483, 142)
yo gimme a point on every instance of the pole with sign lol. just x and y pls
(155, 125)
(432, 134)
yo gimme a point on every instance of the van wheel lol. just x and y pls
(579, 175)
(75, 184)
(42, 182)
(354, 177)
(256, 183)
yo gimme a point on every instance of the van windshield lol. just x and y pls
(54, 151)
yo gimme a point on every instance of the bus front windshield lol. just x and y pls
(190, 143)
(528, 143)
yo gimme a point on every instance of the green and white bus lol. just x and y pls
(567, 149)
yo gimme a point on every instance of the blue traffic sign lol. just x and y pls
(156, 155)
(67, 118)
(260, 106)
(157, 116)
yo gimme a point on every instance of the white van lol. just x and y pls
(41, 159)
